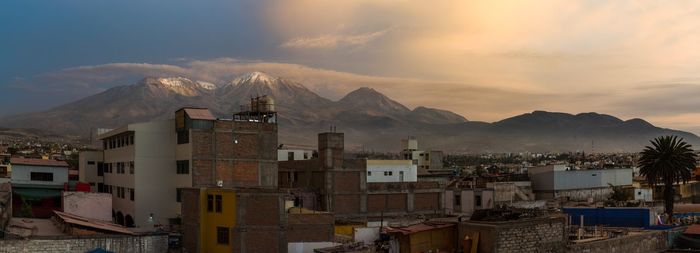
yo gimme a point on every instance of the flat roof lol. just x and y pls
(37, 162)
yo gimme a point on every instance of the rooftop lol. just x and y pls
(37, 162)
(199, 113)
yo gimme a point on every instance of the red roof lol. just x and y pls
(425, 226)
(37, 162)
(199, 113)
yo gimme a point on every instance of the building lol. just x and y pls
(293, 153)
(332, 183)
(561, 181)
(37, 186)
(234, 204)
(464, 197)
(248, 220)
(386, 171)
(428, 162)
(423, 237)
(146, 165)
(90, 164)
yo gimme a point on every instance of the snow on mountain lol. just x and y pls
(207, 85)
(255, 77)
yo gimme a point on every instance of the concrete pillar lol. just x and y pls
(410, 197)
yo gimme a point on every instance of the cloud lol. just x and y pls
(332, 40)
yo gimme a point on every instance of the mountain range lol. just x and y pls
(369, 119)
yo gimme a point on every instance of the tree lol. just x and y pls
(669, 160)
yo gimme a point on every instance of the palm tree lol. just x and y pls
(669, 160)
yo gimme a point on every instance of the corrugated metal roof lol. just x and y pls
(425, 226)
(37, 162)
(92, 223)
(199, 113)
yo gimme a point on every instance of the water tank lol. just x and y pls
(266, 104)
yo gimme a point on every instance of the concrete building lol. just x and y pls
(293, 154)
(90, 169)
(37, 186)
(428, 162)
(334, 184)
(145, 166)
(387, 171)
(561, 181)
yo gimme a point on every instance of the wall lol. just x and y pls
(145, 244)
(376, 171)
(21, 174)
(155, 173)
(298, 154)
(580, 179)
(90, 205)
(545, 234)
(647, 242)
(88, 172)
(211, 220)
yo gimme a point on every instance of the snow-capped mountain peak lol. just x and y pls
(255, 77)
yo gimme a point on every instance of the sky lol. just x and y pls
(485, 60)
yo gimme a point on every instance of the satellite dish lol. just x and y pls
(220, 183)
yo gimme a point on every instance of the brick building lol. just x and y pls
(234, 204)
(335, 184)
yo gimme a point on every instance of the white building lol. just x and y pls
(294, 154)
(38, 172)
(561, 181)
(384, 171)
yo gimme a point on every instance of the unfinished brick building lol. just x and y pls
(335, 184)
(234, 204)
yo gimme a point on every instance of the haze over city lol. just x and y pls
(484, 60)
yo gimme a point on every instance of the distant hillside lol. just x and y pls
(371, 120)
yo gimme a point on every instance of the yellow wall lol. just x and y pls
(211, 220)
(346, 229)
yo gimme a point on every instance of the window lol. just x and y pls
(120, 192)
(388, 173)
(131, 194)
(210, 203)
(222, 235)
(178, 195)
(183, 136)
(105, 145)
(183, 167)
(131, 139)
(369, 173)
(100, 169)
(306, 155)
(41, 176)
(120, 168)
(458, 200)
(218, 203)
(131, 167)
(100, 187)
(427, 156)
(477, 200)
(91, 162)
(290, 156)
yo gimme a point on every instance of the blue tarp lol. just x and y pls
(613, 217)
(99, 250)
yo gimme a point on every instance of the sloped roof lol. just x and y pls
(37, 162)
(93, 223)
(199, 113)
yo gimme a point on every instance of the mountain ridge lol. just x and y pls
(369, 118)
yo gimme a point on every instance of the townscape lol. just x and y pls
(198, 183)
(361, 126)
